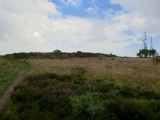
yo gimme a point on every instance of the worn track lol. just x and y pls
(7, 94)
(7, 69)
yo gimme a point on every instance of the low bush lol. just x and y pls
(78, 71)
(86, 105)
(131, 109)
(127, 91)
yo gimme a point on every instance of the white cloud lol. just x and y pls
(21, 21)
(26, 27)
(148, 10)
(93, 10)
(75, 3)
(146, 7)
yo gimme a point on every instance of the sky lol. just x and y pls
(103, 26)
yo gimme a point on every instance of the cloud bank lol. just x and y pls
(38, 26)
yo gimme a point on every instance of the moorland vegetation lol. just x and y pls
(79, 88)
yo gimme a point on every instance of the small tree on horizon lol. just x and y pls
(57, 51)
(152, 52)
(146, 53)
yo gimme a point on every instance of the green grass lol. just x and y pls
(7, 78)
(3, 67)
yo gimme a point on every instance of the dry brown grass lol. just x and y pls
(135, 71)
(2, 61)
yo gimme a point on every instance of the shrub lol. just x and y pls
(131, 109)
(66, 97)
(86, 105)
(64, 78)
(128, 91)
(78, 71)
(57, 51)
(148, 94)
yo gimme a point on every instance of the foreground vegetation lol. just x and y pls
(87, 88)
(9, 70)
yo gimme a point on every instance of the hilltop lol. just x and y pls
(55, 55)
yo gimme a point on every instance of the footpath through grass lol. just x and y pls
(3, 66)
(7, 76)
(50, 96)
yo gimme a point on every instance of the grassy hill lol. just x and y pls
(92, 88)
(52, 55)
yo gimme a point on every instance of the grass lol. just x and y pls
(2, 61)
(4, 66)
(88, 88)
(130, 71)
(6, 78)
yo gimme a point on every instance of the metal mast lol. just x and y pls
(145, 41)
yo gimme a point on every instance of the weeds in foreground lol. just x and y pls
(51, 96)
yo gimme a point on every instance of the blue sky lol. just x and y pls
(106, 26)
(87, 8)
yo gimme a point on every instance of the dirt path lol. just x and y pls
(8, 68)
(7, 94)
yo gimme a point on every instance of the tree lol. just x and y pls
(143, 53)
(152, 52)
(146, 53)
(139, 54)
(57, 51)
